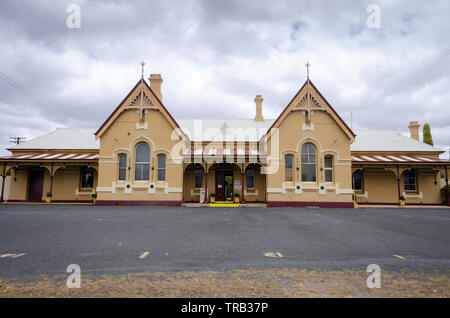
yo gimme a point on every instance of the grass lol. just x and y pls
(237, 283)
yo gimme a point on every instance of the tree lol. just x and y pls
(427, 138)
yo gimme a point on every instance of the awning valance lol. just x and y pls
(397, 159)
(215, 151)
(51, 156)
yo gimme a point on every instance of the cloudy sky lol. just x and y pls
(215, 56)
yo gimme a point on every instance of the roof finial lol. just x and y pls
(142, 64)
(307, 69)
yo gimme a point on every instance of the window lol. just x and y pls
(328, 169)
(87, 178)
(161, 167)
(198, 178)
(250, 178)
(308, 163)
(288, 165)
(122, 166)
(357, 180)
(409, 179)
(142, 162)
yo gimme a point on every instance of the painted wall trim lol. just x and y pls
(396, 203)
(302, 204)
(137, 203)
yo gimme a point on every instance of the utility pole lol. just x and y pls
(16, 140)
(351, 120)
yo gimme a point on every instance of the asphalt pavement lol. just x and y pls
(43, 240)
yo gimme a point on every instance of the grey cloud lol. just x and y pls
(215, 56)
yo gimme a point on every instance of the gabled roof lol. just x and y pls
(62, 138)
(329, 108)
(388, 141)
(121, 107)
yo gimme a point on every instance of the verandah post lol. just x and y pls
(51, 177)
(398, 184)
(3, 180)
(205, 201)
(446, 186)
(242, 182)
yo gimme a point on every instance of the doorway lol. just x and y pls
(224, 185)
(36, 185)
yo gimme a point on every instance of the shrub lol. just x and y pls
(237, 195)
(212, 195)
(444, 194)
(49, 195)
(94, 195)
(402, 198)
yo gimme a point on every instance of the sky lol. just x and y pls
(383, 67)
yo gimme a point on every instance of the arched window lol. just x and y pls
(409, 180)
(308, 163)
(142, 162)
(122, 166)
(357, 180)
(288, 168)
(328, 168)
(250, 178)
(198, 177)
(161, 167)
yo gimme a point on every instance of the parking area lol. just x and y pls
(41, 239)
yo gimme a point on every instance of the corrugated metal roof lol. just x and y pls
(245, 129)
(63, 138)
(387, 140)
(225, 129)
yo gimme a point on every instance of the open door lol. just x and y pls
(220, 185)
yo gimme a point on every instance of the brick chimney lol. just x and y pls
(155, 84)
(414, 130)
(259, 115)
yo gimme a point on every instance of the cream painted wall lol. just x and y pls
(381, 187)
(328, 139)
(66, 185)
(7, 188)
(122, 137)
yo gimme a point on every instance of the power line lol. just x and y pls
(25, 93)
(17, 140)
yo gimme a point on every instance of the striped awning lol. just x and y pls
(397, 159)
(51, 156)
(213, 151)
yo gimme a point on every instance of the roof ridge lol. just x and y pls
(219, 118)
